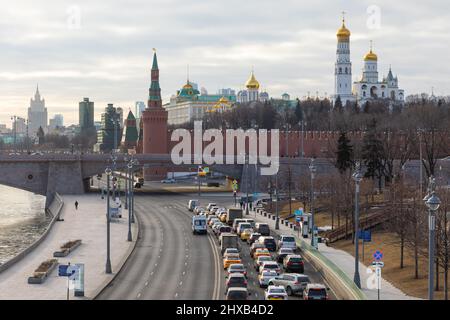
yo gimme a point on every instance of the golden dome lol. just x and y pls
(343, 33)
(252, 83)
(187, 86)
(370, 56)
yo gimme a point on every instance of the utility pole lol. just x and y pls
(357, 176)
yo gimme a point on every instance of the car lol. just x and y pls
(212, 210)
(287, 242)
(275, 293)
(315, 291)
(168, 181)
(259, 261)
(255, 246)
(242, 226)
(223, 217)
(222, 228)
(270, 265)
(236, 223)
(199, 209)
(230, 259)
(246, 234)
(269, 243)
(261, 252)
(236, 280)
(230, 250)
(210, 205)
(283, 252)
(294, 283)
(220, 211)
(265, 276)
(237, 268)
(253, 237)
(236, 293)
(263, 228)
(192, 204)
(293, 263)
(212, 219)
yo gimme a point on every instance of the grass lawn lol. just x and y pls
(389, 244)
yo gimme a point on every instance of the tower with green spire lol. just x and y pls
(155, 134)
(154, 92)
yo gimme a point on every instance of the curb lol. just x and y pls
(106, 283)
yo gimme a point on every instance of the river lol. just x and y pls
(22, 220)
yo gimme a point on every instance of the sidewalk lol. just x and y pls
(88, 223)
(345, 262)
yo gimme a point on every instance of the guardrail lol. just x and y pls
(342, 285)
(54, 209)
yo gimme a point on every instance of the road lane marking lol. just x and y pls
(146, 283)
(139, 295)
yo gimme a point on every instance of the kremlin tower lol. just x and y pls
(155, 125)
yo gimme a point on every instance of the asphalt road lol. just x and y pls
(169, 262)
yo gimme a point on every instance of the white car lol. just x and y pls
(287, 242)
(265, 277)
(168, 181)
(275, 293)
(210, 205)
(269, 265)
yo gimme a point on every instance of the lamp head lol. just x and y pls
(108, 171)
(433, 202)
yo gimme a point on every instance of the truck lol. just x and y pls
(199, 224)
(228, 240)
(233, 213)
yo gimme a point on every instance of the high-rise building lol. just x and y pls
(110, 133)
(20, 125)
(86, 115)
(37, 114)
(139, 106)
(57, 122)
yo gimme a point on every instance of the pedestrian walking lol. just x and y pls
(76, 205)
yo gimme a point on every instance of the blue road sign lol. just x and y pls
(378, 255)
(365, 235)
(298, 218)
(62, 270)
(298, 212)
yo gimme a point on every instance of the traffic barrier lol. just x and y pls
(342, 285)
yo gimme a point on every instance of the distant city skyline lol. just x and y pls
(84, 51)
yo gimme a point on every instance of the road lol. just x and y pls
(171, 263)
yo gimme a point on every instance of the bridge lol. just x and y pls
(46, 174)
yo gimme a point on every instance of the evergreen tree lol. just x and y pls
(338, 105)
(344, 154)
(299, 111)
(373, 153)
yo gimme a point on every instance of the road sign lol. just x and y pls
(298, 218)
(378, 255)
(62, 270)
(379, 264)
(298, 212)
(206, 169)
(365, 235)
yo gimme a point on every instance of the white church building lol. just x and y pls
(369, 87)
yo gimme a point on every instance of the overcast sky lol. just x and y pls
(103, 51)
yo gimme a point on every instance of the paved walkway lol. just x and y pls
(88, 223)
(346, 262)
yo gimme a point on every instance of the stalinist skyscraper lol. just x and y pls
(37, 114)
(343, 67)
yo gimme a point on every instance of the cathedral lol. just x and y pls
(368, 87)
(252, 93)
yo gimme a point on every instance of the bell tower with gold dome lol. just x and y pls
(343, 66)
(252, 86)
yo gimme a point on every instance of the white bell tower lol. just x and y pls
(343, 66)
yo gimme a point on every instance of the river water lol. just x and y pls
(22, 220)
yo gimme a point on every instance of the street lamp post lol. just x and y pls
(313, 170)
(130, 209)
(134, 162)
(108, 220)
(246, 187)
(357, 176)
(277, 221)
(127, 176)
(433, 202)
